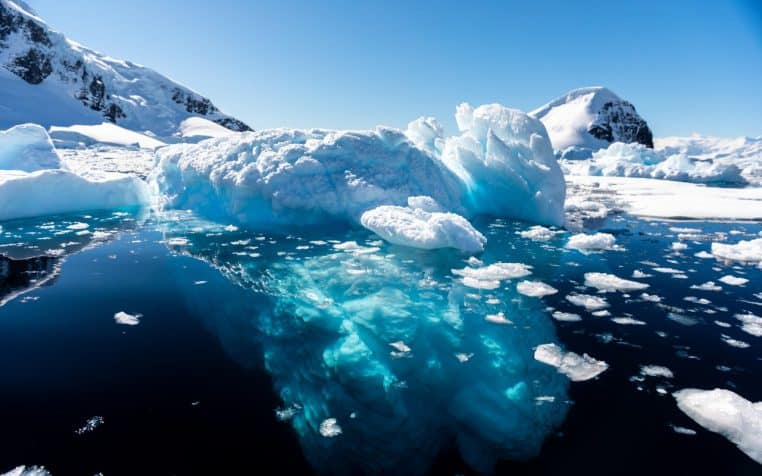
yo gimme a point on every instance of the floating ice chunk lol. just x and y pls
(28, 148)
(727, 413)
(655, 371)
(539, 233)
(733, 280)
(751, 324)
(679, 246)
(665, 270)
(535, 289)
(627, 321)
(126, 319)
(596, 242)
(566, 316)
(683, 431)
(638, 274)
(27, 471)
(476, 283)
(78, 226)
(496, 271)
(650, 297)
(707, 286)
(608, 282)
(287, 413)
(498, 318)
(418, 228)
(329, 428)
(400, 346)
(682, 319)
(738, 344)
(577, 368)
(591, 303)
(90, 425)
(743, 251)
(601, 313)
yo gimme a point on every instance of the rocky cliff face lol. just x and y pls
(120, 91)
(588, 119)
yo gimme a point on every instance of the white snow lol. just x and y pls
(496, 271)
(733, 280)
(595, 242)
(105, 133)
(418, 228)
(577, 368)
(535, 289)
(608, 282)
(126, 319)
(744, 251)
(751, 324)
(727, 413)
(669, 199)
(28, 148)
(591, 303)
(199, 128)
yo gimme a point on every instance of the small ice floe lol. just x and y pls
(78, 226)
(287, 413)
(733, 280)
(608, 282)
(727, 413)
(535, 289)
(463, 357)
(329, 428)
(666, 270)
(683, 430)
(723, 324)
(601, 313)
(400, 349)
(27, 471)
(703, 255)
(577, 368)
(354, 248)
(126, 319)
(682, 319)
(750, 324)
(707, 286)
(743, 251)
(566, 316)
(542, 399)
(489, 277)
(696, 300)
(638, 274)
(627, 321)
(90, 425)
(738, 344)
(177, 241)
(591, 303)
(678, 246)
(655, 371)
(199, 282)
(486, 284)
(498, 318)
(231, 228)
(539, 233)
(589, 243)
(650, 297)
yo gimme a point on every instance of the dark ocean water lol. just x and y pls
(194, 387)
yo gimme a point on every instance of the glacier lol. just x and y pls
(501, 163)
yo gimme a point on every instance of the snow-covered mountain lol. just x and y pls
(587, 119)
(48, 79)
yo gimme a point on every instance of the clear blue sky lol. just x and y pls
(692, 66)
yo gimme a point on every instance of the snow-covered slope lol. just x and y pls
(587, 119)
(742, 152)
(48, 79)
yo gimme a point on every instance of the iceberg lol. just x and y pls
(500, 164)
(727, 413)
(28, 148)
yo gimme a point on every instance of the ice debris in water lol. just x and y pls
(27, 471)
(591, 303)
(566, 316)
(535, 289)
(577, 368)
(707, 286)
(751, 324)
(489, 277)
(596, 242)
(126, 319)
(743, 251)
(418, 228)
(539, 233)
(727, 413)
(733, 280)
(608, 282)
(628, 321)
(329, 428)
(738, 344)
(655, 371)
(90, 425)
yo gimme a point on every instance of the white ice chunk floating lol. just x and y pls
(733, 280)
(727, 413)
(656, 371)
(566, 316)
(589, 302)
(418, 228)
(627, 321)
(330, 428)
(751, 324)
(707, 286)
(127, 319)
(608, 282)
(27, 471)
(535, 289)
(495, 272)
(539, 233)
(744, 251)
(595, 242)
(577, 368)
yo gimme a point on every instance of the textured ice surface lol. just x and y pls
(501, 164)
(127, 319)
(388, 347)
(539, 233)
(591, 303)
(733, 280)
(535, 289)
(28, 148)
(27, 471)
(727, 413)
(106, 133)
(744, 251)
(751, 324)
(656, 371)
(422, 229)
(608, 282)
(577, 368)
(594, 242)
